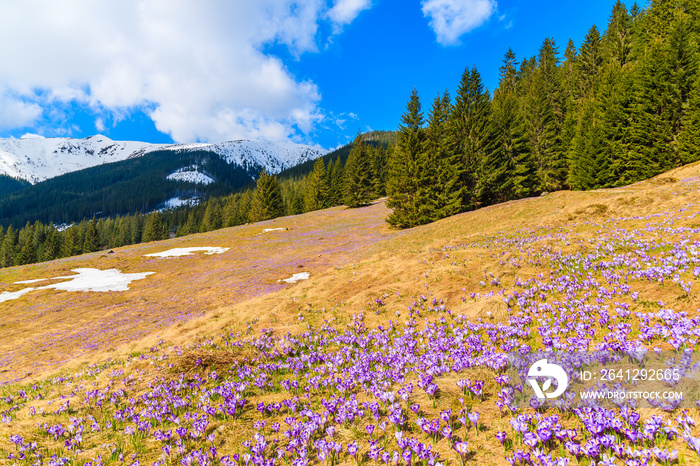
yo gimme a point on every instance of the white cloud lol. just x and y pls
(199, 69)
(345, 11)
(450, 19)
(15, 112)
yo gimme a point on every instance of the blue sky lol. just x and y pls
(315, 71)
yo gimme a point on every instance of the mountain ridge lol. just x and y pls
(37, 159)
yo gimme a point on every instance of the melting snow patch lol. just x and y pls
(296, 277)
(86, 280)
(27, 282)
(98, 280)
(177, 252)
(191, 176)
(8, 295)
(266, 230)
(176, 202)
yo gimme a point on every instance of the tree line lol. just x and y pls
(355, 183)
(623, 107)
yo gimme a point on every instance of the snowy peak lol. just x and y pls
(272, 156)
(36, 159)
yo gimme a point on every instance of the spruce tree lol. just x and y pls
(26, 255)
(469, 122)
(617, 40)
(611, 125)
(153, 230)
(359, 175)
(267, 202)
(71, 244)
(52, 246)
(509, 170)
(316, 193)
(380, 168)
(213, 217)
(545, 120)
(404, 164)
(682, 66)
(585, 148)
(589, 61)
(648, 140)
(8, 248)
(91, 243)
(335, 184)
(440, 190)
(689, 136)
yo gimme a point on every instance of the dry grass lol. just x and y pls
(353, 258)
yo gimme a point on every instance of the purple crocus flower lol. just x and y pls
(473, 417)
(501, 436)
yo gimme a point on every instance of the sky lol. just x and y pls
(313, 71)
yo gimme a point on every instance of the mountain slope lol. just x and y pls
(219, 341)
(146, 178)
(38, 159)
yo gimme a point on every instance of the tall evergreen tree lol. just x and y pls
(545, 120)
(213, 217)
(317, 191)
(404, 164)
(610, 105)
(440, 190)
(72, 245)
(267, 202)
(682, 66)
(689, 136)
(153, 230)
(52, 246)
(510, 170)
(27, 254)
(617, 39)
(91, 242)
(585, 147)
(380, 168)
(469, 122)
(359, 178)
(648, 141)
(8, 248)
(589, 61)
(335, 184)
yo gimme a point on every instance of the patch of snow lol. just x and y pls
(190, 176)
(296, 277)
(98, 280)
(178, 252)
(176, 202)
(266, 230)
(8, 295)
(27, 282)
(86, 280)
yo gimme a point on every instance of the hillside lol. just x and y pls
(37, 159)
(75, 179)
(397, 343)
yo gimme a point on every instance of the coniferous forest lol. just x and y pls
(621, 107)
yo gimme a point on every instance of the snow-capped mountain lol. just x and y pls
(36, 159)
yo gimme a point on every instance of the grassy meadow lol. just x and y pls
(391, 352)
